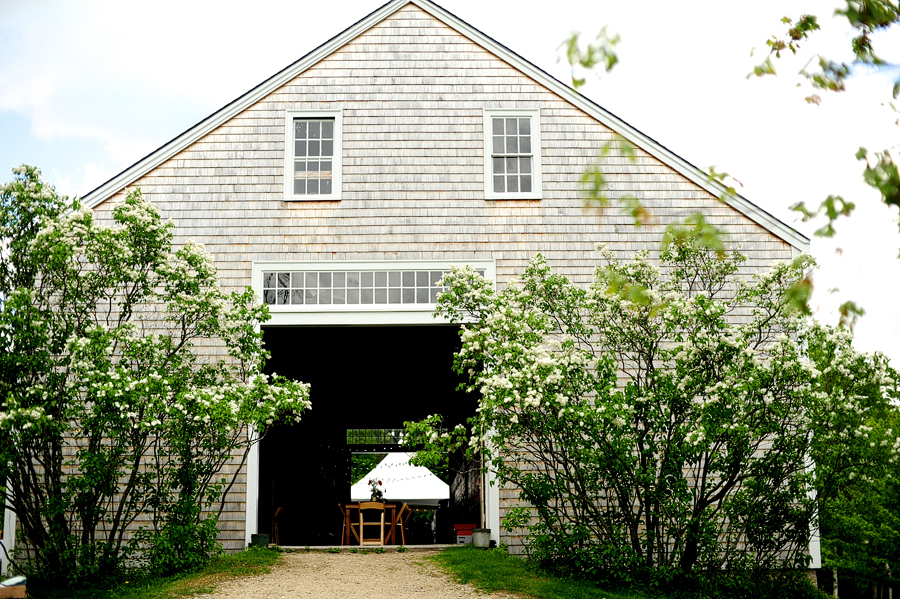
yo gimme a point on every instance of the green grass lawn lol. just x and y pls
(494, 570)
(249, 562)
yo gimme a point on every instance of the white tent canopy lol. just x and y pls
(402, 482)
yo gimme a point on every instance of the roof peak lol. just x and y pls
(631, 134)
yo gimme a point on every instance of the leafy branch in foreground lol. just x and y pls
(866, 17)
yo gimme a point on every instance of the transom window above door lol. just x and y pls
(352, 287)
(312, 169)
(337, 292)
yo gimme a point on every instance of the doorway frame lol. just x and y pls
(357, 315)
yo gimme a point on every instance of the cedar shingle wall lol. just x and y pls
(412, 92)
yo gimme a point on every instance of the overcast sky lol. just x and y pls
(89, 88)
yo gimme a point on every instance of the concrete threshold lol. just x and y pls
(348, 548)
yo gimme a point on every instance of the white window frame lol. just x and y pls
(536, 192)
(356, 314)
(336, 162)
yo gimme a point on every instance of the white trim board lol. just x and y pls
(9, 536)
(691, 172)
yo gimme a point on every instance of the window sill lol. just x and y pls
(513, 196)
(321, 198)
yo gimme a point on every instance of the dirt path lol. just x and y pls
(318, 575)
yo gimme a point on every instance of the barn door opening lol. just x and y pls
(365, 382)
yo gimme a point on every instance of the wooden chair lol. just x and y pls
(371, 506)
(347, 527)
(402, 517)
(275, 537)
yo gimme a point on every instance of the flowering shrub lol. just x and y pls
(665, 421)
(129, 379)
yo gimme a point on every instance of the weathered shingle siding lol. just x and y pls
(412, 91)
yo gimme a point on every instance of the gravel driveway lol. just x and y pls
(319, 575)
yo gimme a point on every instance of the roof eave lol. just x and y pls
(166, 151)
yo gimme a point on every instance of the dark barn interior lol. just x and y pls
(361, 378)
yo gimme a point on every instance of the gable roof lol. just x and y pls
(658, 151)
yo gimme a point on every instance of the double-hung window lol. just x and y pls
(312, 157)
(512, 155)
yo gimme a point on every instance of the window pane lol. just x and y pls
(512, 127)
(380, 296)
(512, 165)
(300, 168)
(394, 279)
(296, 279)
(312, 186)
(366, 278)
(337, 296)
(497, 126)
(526, 183)
(327, 148)
(324, 279)
(325, 186)
(296, 296)
(421, 279)
(314, 129)
(525, 126)
(339, 279)
(353, 296)
(525, 145)
(312, 280)
(314, 148)
(300, 129)
(352, 279)
(498, 184)
(269, 296)
(498, 145)
(434, 291)
(421, 296)
(300, 148)
(394, 296)
(284, 279)
(325, 296)
(409, 296)
(311, 296)
(381, 279)
(436, 276)
(328, 129)
(269, 279)
(512, 144)
(365, 296)
(512, 184)
(409, 279)
(299, 187)
(525, 165)
(284, 295)
(498, 165)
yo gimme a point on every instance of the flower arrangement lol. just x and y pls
(377, 493)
